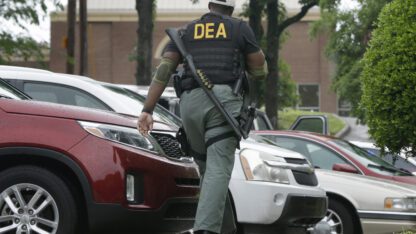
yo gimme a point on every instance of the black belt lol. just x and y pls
(189, 83)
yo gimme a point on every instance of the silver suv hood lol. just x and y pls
(270, 149)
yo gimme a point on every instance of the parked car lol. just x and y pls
(331, 153)
(74, 90)
(363, 204)
(399, 161)
(273, 189)
(63, 169)
(290, 195)
(168, 100)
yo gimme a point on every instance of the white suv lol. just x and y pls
(271, 188)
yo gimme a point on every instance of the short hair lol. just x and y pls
(226, 10)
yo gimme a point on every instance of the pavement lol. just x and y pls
(357, 132)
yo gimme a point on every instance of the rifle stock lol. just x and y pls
(174, 36)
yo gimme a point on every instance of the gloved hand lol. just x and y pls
(145, 123)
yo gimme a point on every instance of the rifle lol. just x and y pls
(204, 83)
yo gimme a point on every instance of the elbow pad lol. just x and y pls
(164, 71)
(259, 73)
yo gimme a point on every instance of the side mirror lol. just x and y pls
(344, 168)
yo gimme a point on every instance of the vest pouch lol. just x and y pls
(177, 85)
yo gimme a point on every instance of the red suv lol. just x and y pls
(66, 169)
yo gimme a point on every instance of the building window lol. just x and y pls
(309, 97)
(344, 107)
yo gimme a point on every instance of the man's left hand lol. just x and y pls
(145, 123)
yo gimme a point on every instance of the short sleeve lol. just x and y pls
(248, 42)
(171, 47)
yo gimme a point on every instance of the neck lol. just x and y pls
(215, 11)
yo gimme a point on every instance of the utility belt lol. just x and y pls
(182, 84)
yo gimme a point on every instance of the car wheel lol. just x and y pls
(338, 220)
(34, 200)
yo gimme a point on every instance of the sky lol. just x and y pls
(41, 33)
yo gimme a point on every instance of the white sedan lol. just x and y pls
(363, 204)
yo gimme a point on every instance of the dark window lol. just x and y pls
(309, 97)
(8, 91)
(318, 155)
(311, 124)
(62, 95)
(262, 124)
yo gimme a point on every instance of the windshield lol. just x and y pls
(7, 91)
(393, 159)
(138, 100)
(375, 164)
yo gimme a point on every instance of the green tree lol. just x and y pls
(389, 78)
(349, 34)
(21, 13)
(277, 23)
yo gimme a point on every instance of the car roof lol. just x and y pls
(23, 69)
(169, 92)
(83, 83)
(86, 84)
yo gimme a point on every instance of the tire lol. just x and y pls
(44, 187)
(341, 212)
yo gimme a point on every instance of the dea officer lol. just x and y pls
(222, 47)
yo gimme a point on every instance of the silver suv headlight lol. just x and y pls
(257, 166)
(123, 135)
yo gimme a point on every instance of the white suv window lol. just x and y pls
(62, 94)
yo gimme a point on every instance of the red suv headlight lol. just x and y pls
(123, 135)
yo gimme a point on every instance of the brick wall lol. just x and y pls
(112, 43)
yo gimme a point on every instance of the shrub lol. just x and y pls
(389, 78)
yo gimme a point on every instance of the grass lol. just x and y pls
(288, 117)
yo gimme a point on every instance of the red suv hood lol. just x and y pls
(72, 112)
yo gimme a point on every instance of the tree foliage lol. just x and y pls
(21, 13)
(389, 78)
(349, 33)
(255, 10)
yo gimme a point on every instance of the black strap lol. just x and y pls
(219, 138)
(189, 83)
(217, 126)
(199, 156)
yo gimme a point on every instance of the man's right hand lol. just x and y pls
(145, 123)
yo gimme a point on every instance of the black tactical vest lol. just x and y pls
(213, 43)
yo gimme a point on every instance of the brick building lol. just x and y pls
(112, 38)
